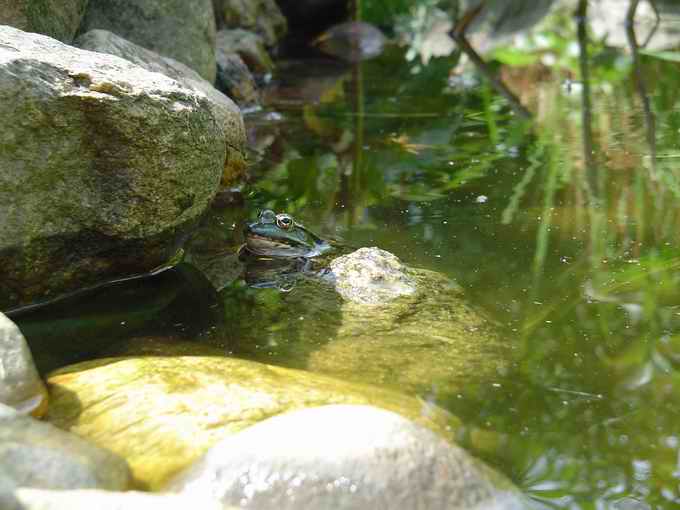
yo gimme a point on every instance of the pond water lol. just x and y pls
(573, 253)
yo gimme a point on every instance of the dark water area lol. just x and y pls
(574, 254)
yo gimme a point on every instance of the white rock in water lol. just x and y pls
(371, 276)
(344, 457)
(20, 384)
(40, 499)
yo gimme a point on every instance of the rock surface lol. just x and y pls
(235, 80)
(249, 46)
(430, 342)
(260, 16)
(344, 457)
(36, 454)
(20, 384)
(371, 276)
(103, 41)
(56, 18)
(163, 413)
(37, 499)
(178, 29)
(105, 166)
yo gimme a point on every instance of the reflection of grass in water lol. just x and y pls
(543, 235)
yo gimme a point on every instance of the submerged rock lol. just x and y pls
(224, 108)
(406, 328)
(260, 16)
(249, 46)
(105, 166)
(20, 384)
(178, 29)
(371, 276)
(37, 499)
(162, 413)
(344, 457)
(39, 455)
(56, 18)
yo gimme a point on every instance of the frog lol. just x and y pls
(278, 250)
(280, 236)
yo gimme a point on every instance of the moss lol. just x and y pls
(162, 413)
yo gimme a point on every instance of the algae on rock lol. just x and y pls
(224, 108)
(162, 413)
(429, 342)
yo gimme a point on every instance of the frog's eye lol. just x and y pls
(284, 221)
(267, 216)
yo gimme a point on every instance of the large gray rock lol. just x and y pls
(20, 384)
(104, 166)
(103, 41)
(162, 413)
(39, 499)
(344, 457)
(260, 16)
(57, 18)
(179, 29)
(39, 455)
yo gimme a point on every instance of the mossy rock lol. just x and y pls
(162, 413)
(432, 342)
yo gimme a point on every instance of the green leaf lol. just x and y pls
(513, 57)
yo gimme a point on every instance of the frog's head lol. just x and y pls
(278, 235)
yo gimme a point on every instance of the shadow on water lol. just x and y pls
(176, 303)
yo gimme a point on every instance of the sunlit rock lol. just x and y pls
(162, 413)
(20, 384)
(344, 457)
(56, 18)
(224, 108)
(371, 276)
(37, 454)
(38, 499)
(105, 166)
(178, 29)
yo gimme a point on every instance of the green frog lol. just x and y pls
(280, 236)
(278, 250)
